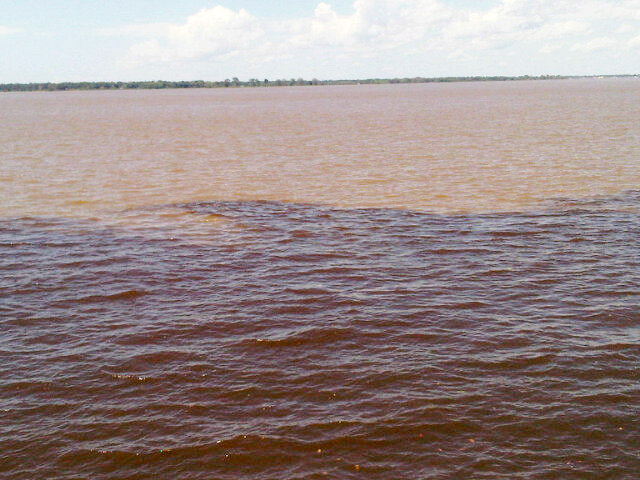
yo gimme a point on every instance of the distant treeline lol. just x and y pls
(254, 82)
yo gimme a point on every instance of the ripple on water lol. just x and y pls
(304, 341)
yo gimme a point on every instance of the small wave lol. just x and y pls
(384, 339)
(314, 336)
(308, 290)
(511, 362)
(124, 295)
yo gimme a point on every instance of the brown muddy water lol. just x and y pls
(399, 281)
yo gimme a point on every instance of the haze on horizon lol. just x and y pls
(75, 40)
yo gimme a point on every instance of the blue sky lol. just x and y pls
(67, 40)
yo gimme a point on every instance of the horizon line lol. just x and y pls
(255, 82)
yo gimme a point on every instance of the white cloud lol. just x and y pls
(8, 30)
(326, 27)
(385, 24)
(627, 9)
(626, 28)
(549, 48)
(635, 42)
(375, 28)
(214, 33)
(555, 30)
(595, 44)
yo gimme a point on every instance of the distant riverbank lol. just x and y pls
(254, 82)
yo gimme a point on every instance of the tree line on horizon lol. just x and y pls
(254, 82)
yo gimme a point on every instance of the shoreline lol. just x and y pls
(255, 83)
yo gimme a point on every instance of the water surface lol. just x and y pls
(461, 147)
(429, 281)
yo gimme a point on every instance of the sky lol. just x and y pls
(86, 40)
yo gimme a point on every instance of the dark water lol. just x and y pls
(299, 341)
